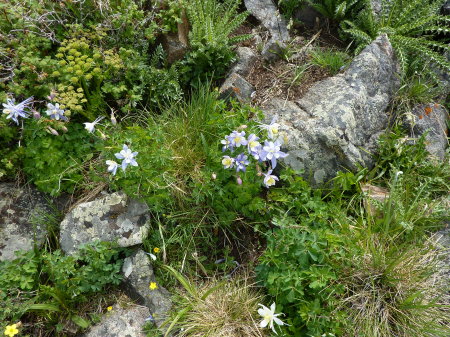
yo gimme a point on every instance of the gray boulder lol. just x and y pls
(121, 322)
(269, 16)
(237, 87)
(432, 120)
(113, 217)
(18, 207)
(138, 273)
(335, 126)
(246, 58)
(307, 15)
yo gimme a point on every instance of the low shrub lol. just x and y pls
(51, 287)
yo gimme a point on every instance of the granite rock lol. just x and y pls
(18, 231)
(432, 120)
(138, 274)
(121, 322)
(337, 123)
(113, 217)
(269, 16)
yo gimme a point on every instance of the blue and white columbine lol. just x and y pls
(237, 139)
(54, 112)
(127, 157)
(271, 151)
(14, 111)
(241, 162)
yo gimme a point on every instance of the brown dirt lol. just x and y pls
(277, 79)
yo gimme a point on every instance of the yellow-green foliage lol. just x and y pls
(83, 65)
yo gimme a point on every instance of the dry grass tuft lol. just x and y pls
(396, 292)
(229, 309)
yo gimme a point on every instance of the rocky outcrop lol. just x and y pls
(113, 217)
(335, 126)
(246, 58)
(237, 87)
(121, 322)
(20, 228)
(138, 273)
(269, 16)
(430, 119)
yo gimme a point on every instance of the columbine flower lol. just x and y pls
(226, 144)
(272, 128)
(153, 286)
(228, 162)
(269, 317)
(11, 330)
(91, 126)
(237, 138)
(127, 156)
(112, 166)
(271, 151)
(16, 110)
(150, 318)
(254, 147)
(269, 179)
(241, 162)
(55, 112)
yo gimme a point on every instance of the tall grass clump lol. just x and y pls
(216, 308)
(394, 290)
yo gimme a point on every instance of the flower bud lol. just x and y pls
(52, 131)
(213, 176)
(64, 129)
(242, 127)
(113, 118)
(36, 114)
(239, 180)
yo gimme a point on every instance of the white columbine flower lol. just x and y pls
(91, 126)
(227, 162)
(112, 166)
(272, 128)
(269, 178)
(269, 317)
(128, 157)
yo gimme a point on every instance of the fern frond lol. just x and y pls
(416, 26)
(421, 47)
(438, 30)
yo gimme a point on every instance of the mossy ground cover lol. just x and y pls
(232, 234)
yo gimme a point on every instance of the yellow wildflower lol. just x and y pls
(156, 250)
(153, 286)
(109, 308)
(11, 330)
